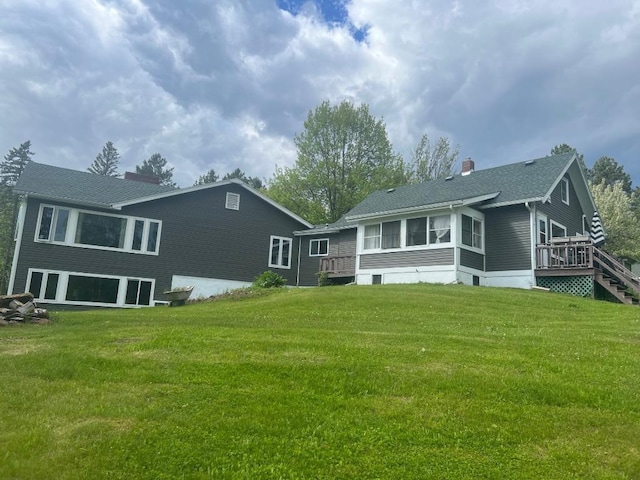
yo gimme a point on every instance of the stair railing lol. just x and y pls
(612, 267)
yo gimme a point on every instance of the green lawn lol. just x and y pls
(391, 382)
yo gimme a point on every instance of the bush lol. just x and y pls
(269, 279)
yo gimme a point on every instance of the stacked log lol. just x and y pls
(21, 308)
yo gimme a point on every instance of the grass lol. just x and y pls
(421, 381)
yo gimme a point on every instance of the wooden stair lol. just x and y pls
(615, 278)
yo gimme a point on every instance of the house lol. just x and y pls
(521, 225)
(91, 240)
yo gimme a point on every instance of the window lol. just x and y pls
(416, 231)
(440, 229)
(564, 190)
(280, 256)
(557, 230)
(372, 236)
(84, 289)
(319, 247)
(391, 234)
(233, 201)
(95, 230)
(471, 232)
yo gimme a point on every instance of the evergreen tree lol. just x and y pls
(253, 182)
(155, 166)
(210, 177)
(106, 163)
(14, 163)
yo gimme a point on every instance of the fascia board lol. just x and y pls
(558, 179)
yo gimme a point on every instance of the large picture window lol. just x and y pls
(420, 231)
(96, 230)
(471, 232)
(84, 289)
(280, 255)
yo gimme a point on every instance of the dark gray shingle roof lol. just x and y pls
(74, 186)
(514, 183)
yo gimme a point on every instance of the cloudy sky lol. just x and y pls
(227, 83)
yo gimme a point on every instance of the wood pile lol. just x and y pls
(21, 308)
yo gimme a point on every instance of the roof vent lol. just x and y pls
(391, 190)
(450, 177)
(529, 162)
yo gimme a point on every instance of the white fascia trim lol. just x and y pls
(195, 188)
(426, 208)
(308, 233)
(513, 202)
(22, 213)
(69, 201)
(559, 179)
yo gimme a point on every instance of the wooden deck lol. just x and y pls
(338, 266)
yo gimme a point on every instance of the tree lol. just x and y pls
(343, 155)
(430, 162)
(564, 148)
(10, 169)
(106, 163)
(155, 166)
(607, 170)
(14, 163)
(253, 182)
(622, 226)
(210, 177)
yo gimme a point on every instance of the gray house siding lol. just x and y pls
(508, 238)
(199, 237)
(342, 243)
(471, 259)
(414, 258)
(568, 215)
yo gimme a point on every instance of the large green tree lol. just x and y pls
(106, 162)
(621, 224)
(343, 155)
(432, 161)
(10, 169)
(607, 170)
(156, 166)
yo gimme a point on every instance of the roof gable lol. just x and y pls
(531, 180)
(88, 189)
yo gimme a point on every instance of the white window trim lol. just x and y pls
(553, 223)
(564, 182)
(72, 225)
(279, 264)
(232, 201)
(403, 235)
(63, 283)
(318, 254)
(477, 218)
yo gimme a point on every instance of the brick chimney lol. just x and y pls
(468, 166)
(139, 177)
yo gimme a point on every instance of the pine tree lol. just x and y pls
(106, 163)
(155, 166)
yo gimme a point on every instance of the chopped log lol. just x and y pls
(27, 308)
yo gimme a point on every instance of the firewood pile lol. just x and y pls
(21, 308)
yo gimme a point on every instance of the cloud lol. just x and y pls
(227, 84)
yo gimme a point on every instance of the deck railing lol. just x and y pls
(338, 266)
(565, 252)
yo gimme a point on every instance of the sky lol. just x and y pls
(226, 84)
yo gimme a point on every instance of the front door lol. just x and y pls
(543, 237)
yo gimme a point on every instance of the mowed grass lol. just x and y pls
(401, 382)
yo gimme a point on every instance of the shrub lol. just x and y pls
(269, 279)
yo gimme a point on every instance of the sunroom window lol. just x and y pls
(440, 229)
(391, 234)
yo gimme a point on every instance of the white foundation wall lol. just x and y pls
(511, 279)
(407, 275)
(205, 287)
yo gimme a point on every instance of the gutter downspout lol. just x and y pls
(17, 237)
(299, 254)
(534, 237)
